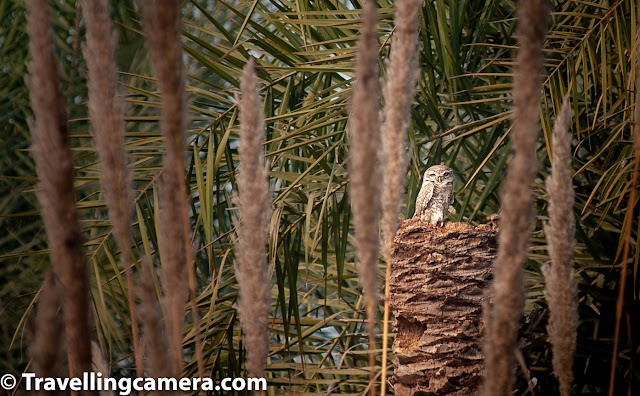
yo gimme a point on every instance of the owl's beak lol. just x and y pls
(440, 179)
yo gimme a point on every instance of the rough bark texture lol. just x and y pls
(437, 283)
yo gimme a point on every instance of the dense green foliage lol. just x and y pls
(304, 54)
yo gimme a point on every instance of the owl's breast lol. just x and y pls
(440, 196)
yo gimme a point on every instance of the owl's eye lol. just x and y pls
(432, 174)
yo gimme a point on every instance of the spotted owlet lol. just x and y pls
(436, 195)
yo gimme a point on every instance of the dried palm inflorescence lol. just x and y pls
(56, 194)
(560, 285)
(363, 167)
(503, 317)
(156, 341)
(626, 231)
(161, 19)
(101, 365)
(252, 230)
(107, 120)
(45, 343)
(398, 93)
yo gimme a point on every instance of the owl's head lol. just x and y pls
(439, 174)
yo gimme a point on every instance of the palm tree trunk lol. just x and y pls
(437, 283)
